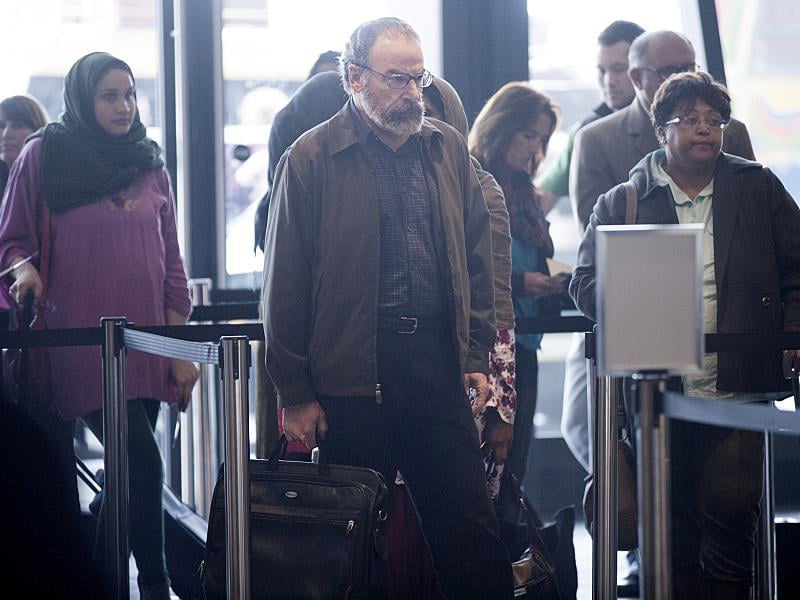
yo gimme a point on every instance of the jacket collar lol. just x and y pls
(640, 127)
(344, 132)
(728, 191)
(727, 169)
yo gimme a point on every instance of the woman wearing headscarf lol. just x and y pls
(509, 138)
(92, 190)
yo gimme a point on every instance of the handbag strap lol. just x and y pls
(631, 201)
(44, 264)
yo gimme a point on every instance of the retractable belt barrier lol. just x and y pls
(232, 354)
(655, 408)
(93, 336)
(195, 343)
(151, 343)
(569, 321)
(753, 417)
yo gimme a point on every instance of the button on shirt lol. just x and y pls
(409, 277)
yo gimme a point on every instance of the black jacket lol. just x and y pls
(317, 100)
(756, 258)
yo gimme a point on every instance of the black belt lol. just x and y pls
(409, 325)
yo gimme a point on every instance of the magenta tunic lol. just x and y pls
(115, 258)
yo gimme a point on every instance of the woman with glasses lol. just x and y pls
(91, 195)
(510, 138)
(751, 284)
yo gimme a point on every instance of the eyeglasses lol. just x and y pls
(398, 81)
(691, 121)
(667, 71)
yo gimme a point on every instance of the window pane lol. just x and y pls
(47, 36)
(268, 49)
(759, 42)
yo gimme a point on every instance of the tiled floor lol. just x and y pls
(583, 559)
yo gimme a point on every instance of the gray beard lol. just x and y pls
(403, 121)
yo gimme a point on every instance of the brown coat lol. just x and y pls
(322, 257)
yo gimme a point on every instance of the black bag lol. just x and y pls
(627, 502)
(542, 554)
(627, 508)
(15, 360)
(316, 532)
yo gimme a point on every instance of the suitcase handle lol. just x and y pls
(280, 450)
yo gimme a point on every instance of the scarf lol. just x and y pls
(81, 163)
(525, 215)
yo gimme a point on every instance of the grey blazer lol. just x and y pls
(606, 150)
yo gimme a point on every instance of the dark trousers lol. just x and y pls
(717, 483)
(423, 427)
(145, 481)
(527, 370)
(45, 555)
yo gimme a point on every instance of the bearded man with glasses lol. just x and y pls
(751, 284)
(379, 301)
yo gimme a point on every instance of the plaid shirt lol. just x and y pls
(410, 283)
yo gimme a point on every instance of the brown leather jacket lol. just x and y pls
(322, 256)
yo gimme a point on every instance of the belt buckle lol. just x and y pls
(411, 321)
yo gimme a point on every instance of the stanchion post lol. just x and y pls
(663, 498)
(235, 369)
(765, 548)
(202, 422)
(604, 538)
(115, 444)
(654, 569)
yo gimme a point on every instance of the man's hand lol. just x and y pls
(302, 423)
(497, 435)
(184, 374)
(480, 383)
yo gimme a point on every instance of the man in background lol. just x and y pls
(606, 150)
(617, 91)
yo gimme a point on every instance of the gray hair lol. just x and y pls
(356, 49)
(638, 49)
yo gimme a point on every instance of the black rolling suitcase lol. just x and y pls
(316, 532)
